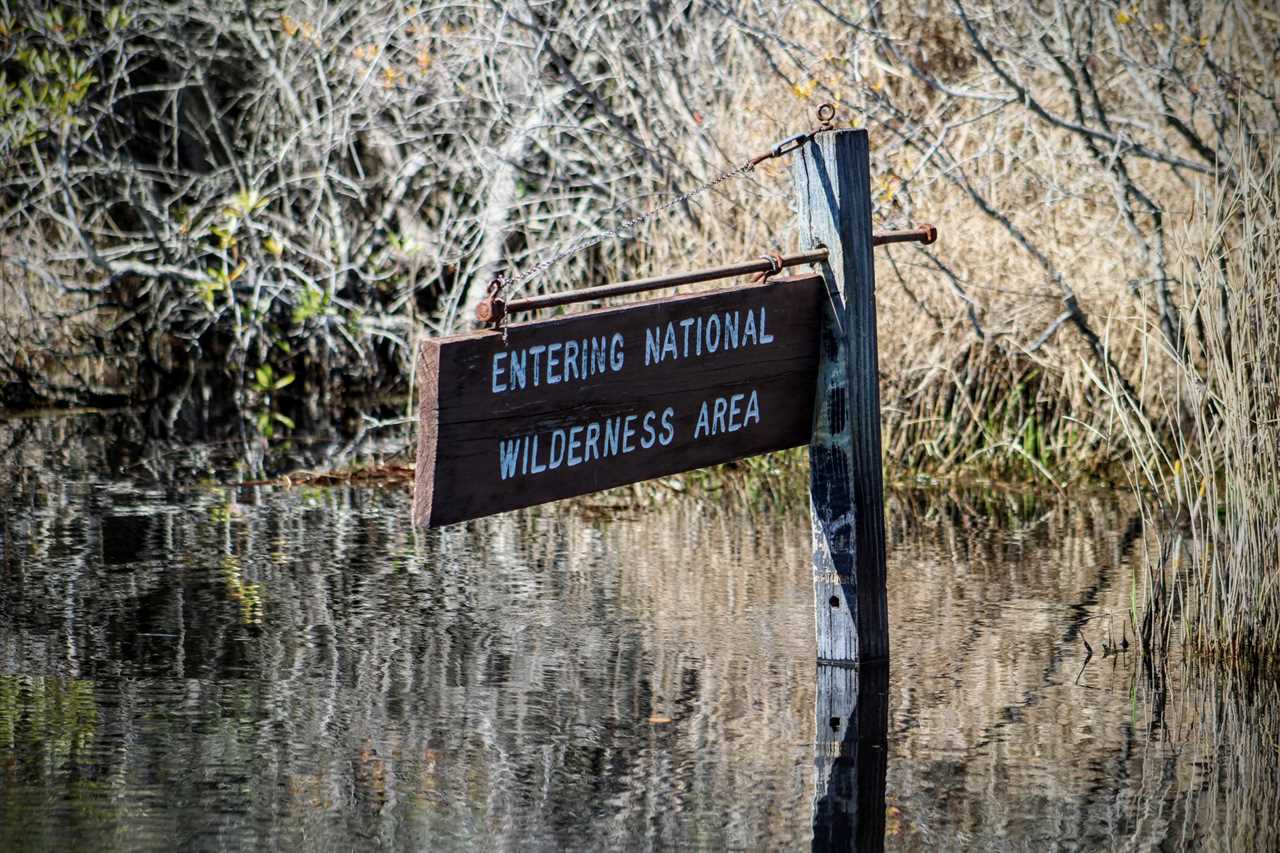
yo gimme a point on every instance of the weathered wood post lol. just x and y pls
(846, 492)
(831, 178)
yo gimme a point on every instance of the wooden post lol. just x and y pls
(831, 178)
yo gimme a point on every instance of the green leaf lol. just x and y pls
(116, 18)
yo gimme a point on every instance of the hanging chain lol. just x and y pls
(506, 282)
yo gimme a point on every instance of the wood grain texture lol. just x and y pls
(474, 403)
(831, 181)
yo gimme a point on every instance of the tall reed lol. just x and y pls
(1210, 478)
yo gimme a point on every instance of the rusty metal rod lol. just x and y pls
(493, 308)
(920, 234)
(640, 285)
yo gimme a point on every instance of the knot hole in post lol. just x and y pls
(835, 602)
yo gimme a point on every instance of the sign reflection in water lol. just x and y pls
(275, 668)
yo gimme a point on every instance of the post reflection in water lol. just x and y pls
(851, 710)
(295, 668)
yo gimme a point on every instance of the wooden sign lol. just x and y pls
(576, 404)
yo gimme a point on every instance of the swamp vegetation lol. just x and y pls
(225, 229)
(245, 217)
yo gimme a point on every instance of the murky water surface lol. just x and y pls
(188, 666)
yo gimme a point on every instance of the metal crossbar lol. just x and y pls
(494, 310)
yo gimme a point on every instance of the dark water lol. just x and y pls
(201, 668)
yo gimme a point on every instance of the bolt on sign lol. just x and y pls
(576, 404)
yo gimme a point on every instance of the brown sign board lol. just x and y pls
(580, 403)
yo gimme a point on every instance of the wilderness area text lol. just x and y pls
(602, 438)
(609, 437)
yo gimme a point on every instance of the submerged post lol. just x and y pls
(831, 179)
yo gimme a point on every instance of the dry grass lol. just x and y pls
(1211, 480)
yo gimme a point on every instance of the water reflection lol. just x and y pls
(263, 667)
(852, 750)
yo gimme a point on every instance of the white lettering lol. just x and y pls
(517, 367)
(508, 449)
(612, 432)
(685, 324)
(573, 457)
(765, 337)
(731, 332)
(615, 352)
(571, 360)
(628, 433)
(652, 345)
(734, 426)
(726, 414)
(713, 342)
(535, 468)
(563, 361)
(598, 354)
(650, 437)
(498, 358)
(669, 343)
(536, 352)
(553, 363)
(753, 409)
(557, 450)
(599, 440)
(668, 429)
